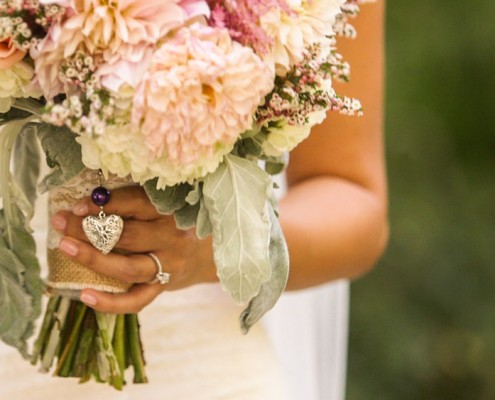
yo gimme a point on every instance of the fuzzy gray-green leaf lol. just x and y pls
(19, 267)
(63, 154)
(186, 217)
(235, 196)
(16, 315)
(203, 223)
(27, 161)
(167, 200)
(270, 291)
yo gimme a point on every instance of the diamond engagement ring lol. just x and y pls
(160, 277)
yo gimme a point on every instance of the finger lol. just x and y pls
(137, 236)
(128, 202)
(130, 302)
(135, 268)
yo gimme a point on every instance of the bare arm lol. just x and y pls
(335, 214)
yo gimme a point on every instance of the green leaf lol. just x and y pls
(20, 283)
(13, 114)
(63, 154)
(186, 217)
(15, 318)
(275, 165)
(27, 160)
(203, 224)
(11, 264)
(252, 146)
(235, 196)
(20, 272)
(194, 196)
(26, 253)
(8, 136)
(168, 200)
(270, 291)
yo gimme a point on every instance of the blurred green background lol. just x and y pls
(423, 322)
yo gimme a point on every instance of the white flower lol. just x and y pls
(287, 137)
(311, 22)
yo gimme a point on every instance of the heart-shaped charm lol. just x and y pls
(103, 231)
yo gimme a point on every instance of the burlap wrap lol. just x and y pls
(64, 273)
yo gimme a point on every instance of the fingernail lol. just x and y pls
(59, 222)
(88, 299)
(68, 247)
(80, 209)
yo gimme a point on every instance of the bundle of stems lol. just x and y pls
(88, 344)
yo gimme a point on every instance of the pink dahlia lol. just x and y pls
(198, 95)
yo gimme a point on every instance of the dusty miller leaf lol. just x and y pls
(168, 200)
(63, 155)
(203, 224)
(15, 317)
(235, 196)
(194, 196)
(271, 290)
(27, 160)
(21, 287)
(20, 284)
(186, 217)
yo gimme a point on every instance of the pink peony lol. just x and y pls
(198, 96)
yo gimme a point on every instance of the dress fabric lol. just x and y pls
(309, 329)
(195, 351)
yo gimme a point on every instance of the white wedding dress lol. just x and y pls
(194, 350)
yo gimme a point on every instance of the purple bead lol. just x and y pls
(100, 196)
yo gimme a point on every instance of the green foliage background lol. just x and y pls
(423, 322)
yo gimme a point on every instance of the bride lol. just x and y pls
(334, 217)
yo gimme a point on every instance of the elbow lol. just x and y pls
(380, 245)
(374, 244)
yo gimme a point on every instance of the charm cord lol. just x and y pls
(102, 231)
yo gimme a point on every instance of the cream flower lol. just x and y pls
(287, 137)
(14, 83)
(120, 33)
(198, 96)
(311, 22)
(109, 152)
(122, 151)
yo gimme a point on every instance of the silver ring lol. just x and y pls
(161, 276)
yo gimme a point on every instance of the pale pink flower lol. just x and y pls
(198, 96)
(119, 33)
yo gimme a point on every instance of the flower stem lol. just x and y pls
(82, 362)
(64, 366)
(109, 370)
(135, 348)
(119, 342)
(39, 345)
(54, 339)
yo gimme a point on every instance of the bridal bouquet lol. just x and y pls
(198, 101)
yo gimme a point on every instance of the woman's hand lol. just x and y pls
(187, 259)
